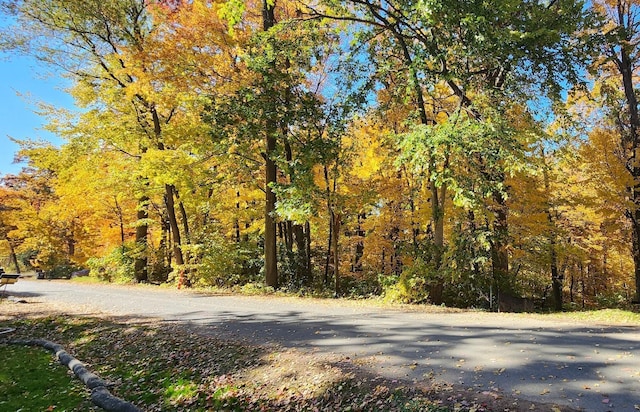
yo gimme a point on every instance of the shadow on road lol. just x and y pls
(584, 367)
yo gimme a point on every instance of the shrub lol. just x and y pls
(413, 285)
(227, 263)
(117, 266)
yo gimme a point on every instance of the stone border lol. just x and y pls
(100, 395)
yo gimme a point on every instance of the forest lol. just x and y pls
(425, 151)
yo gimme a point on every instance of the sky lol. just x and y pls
(24, 83)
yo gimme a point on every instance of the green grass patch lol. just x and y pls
(31, 380)
(602, 316)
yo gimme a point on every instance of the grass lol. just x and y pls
(599, 316)
(31, 380)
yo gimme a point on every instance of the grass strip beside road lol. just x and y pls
(32, 380)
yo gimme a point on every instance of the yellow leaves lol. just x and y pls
(370, 155)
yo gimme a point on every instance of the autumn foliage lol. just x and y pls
(435, 151)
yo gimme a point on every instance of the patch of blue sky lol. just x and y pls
(24, 84)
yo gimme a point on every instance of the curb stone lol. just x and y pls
(100, 395)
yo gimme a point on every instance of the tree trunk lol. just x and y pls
(335, 218)
(169, 195)
(307, 235)
(330, 240)
(301, 254)
(71, 246)
(185, 222)
(557, 278)
(359, 249)
(626, 22)
(165, 241)
(636, 254)
(270, 241)
(499, 252)
(572, 284)
(437, 193)
(325, 278)
(14, 257)
(270, 238)
(173, 223)
(236, 220)
(141, 262)
(436, 290)
(120, 222)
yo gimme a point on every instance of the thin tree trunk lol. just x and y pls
(187, 232)
(141, 261)
(499, 252)
(185, 222)
(120, 222)
(437, 193)
(236, 221)
(169, 195)
(165, 241)
(14, 257)
(325, 278)
(636, 254)
(173, 224)
(556, 277)
(270, 241)
(335, 217)
(307, 234)
(330, 240)
(572, 284)
(359, 249)
(301, 249)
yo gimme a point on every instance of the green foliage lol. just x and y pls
(116, 267)
(61, 271)
(225, 263)
(467, 265)
(256, 289)
(470, 157)
(612, 300)
(413, 285)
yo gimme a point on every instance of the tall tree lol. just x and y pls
(621, 34)
(270, 240)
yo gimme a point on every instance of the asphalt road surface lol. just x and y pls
(594, 368)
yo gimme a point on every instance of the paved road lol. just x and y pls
(595, 368)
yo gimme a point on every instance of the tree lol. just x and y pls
(480, 52)
(620, 53)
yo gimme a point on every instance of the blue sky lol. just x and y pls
(24, 83)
